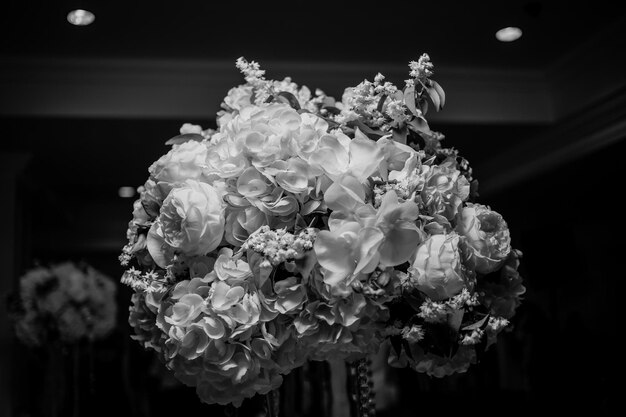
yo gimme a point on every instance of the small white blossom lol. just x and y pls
(421, 69)
(413, 334)
(496, 324)
(433, 312)
(472, 338)
(278, 246)
(464, 298)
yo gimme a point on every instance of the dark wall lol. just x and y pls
(562, 351)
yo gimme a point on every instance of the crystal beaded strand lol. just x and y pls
(361, 388)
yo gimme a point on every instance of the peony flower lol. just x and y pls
(487, 235)
(437, 270)
(191, 222)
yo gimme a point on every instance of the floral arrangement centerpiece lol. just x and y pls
(63, 304)
(60, 311)
(305, 228)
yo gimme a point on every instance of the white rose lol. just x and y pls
(445, 190)
(191, 222)
(487, 236)
(437, 270)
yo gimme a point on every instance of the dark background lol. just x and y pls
(542, 120)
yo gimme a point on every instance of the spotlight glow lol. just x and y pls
(80, 17)
(509, 34)
(126, 192)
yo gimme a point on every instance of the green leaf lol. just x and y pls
(332, 110)
(480, 323)
(434, 97)
(151, 207)
(177, 140)
(420, 125)
(409, 99)
(381, 102)
(300, 223)
(288, 98)
(371, 133)
(440, 92)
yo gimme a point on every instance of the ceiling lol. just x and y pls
(78, 162)
(459, 33)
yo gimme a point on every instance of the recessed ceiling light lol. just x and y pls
(509, 34)
(126, 192)
(80, 17)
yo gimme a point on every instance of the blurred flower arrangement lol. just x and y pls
(63, 304)
(305, 228)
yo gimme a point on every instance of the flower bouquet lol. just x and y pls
(60, 311)
(63, 304)
(305, 228)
